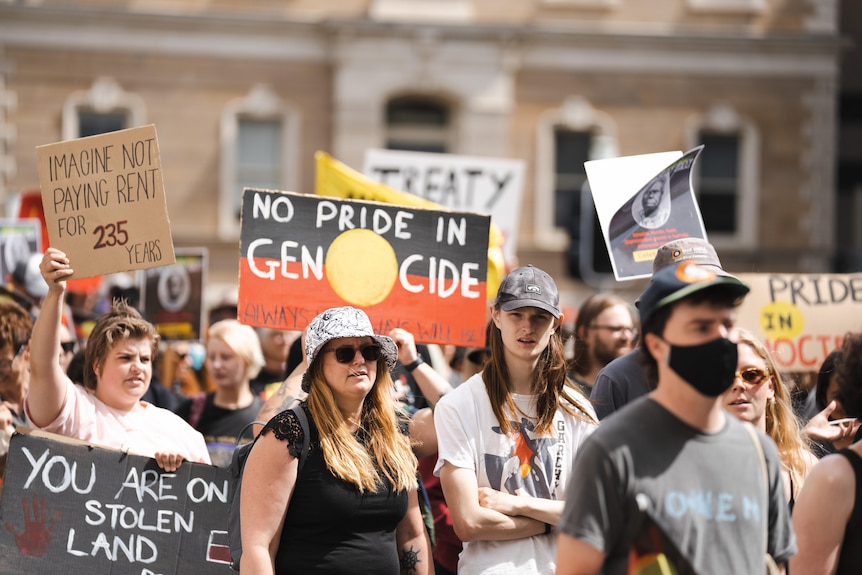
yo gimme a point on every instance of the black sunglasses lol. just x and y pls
(752, 375)
(346, 353)
(68, 346)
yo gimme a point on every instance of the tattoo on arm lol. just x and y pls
(409, 560)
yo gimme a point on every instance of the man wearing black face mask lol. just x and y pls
(674, 459)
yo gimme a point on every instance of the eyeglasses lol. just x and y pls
(752, 375)
(68, 346)
(632, 332)
(346, 353)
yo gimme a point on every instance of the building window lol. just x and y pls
(718, 182)
(258, 163)
(259, 149)
(91, 123)
(565, 217)
(726, 176)
(418, 125)
(571, 150)
(105, 107)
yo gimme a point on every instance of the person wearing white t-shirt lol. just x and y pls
(508, 435)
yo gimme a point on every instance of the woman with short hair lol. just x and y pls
(118, 368)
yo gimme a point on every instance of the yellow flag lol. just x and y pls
(338, 180)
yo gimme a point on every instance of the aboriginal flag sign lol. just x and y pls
(418, 269)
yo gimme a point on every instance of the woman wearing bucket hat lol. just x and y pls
(354, 507)
(508, 435)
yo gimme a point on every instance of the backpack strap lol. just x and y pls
(306, 435)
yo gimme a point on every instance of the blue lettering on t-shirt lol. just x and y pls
(711, 506)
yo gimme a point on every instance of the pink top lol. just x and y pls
(85, 417)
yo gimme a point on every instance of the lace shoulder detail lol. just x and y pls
(287, 428)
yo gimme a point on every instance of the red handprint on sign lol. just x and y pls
(36, 537)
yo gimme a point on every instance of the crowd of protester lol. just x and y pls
(550, 449)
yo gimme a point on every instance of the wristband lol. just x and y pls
(547, 528)
(415, 363)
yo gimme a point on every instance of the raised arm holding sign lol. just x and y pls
(118, 367)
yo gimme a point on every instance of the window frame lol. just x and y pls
(724, 119)
(105, 96)
(578, 115)
(433, 135)
(261, 104)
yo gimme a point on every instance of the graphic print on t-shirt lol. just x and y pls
(528, 466)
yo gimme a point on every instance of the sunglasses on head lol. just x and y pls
(752, 375)
(345, 354)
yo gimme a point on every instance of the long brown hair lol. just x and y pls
(387, 451)
(550, 384)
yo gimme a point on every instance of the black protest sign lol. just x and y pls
(421, 270)
(172, 296)
(69, 507)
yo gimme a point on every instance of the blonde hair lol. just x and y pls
(386, 451)
(242, 340)
(781, 422)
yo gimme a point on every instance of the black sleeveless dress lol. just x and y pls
(330, 527)
(850, 560)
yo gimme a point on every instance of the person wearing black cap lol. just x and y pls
(508, 435)
(675, 458)
(623, 380)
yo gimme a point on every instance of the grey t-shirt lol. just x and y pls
(618, 383)
(706, 491)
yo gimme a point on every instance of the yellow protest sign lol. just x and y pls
(338, 180)
(104, 201)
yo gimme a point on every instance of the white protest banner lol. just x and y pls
(480, 185)
(644, 202)
(801, 317)
(104, 202)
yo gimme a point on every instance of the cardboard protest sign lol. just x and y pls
(492, 186)
(642, 203)
(421, 270)
(336, 180)
(69, 507)
(19, 239)
(172, 296)
(801, 317)
(104, 202)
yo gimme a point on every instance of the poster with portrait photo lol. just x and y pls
(647, 216)
(172, 296)
(19, 239)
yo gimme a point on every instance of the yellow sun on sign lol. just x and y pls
(361, 267)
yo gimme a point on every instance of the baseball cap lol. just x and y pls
(674, 282)
(529, 286)
(344, 322)
(684, 249)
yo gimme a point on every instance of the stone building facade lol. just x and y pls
(247, 91)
